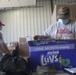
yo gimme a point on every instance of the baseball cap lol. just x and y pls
(1, 24)
(63, 12)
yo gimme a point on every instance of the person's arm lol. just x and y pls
(50, 31)
(6, 50)
(46, 33)
(3, 46)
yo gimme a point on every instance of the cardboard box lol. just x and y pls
(22, 40)
(24, 47)
(26, 58)
(61, 53)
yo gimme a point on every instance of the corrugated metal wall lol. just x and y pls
(64, 2)
(25, 21)
(28, 21)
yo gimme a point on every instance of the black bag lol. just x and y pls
(14, 65)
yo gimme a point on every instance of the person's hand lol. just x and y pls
(39, 37)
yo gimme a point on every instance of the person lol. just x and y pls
(3, 47)
(64, 28)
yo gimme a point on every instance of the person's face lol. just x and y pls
(67, 17)
(64, 19)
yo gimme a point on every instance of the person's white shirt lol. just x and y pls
(60, 31)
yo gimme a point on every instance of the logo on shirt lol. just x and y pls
(64, 34)
(65, 31)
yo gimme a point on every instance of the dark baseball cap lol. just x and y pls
(63, 12)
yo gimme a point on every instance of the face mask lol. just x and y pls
(63, 21)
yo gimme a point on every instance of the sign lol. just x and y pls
(46, 53)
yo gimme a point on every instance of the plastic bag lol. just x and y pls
(14, 65)
(46, 70)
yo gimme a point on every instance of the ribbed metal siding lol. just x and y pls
(64, 2)
(25, 21)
